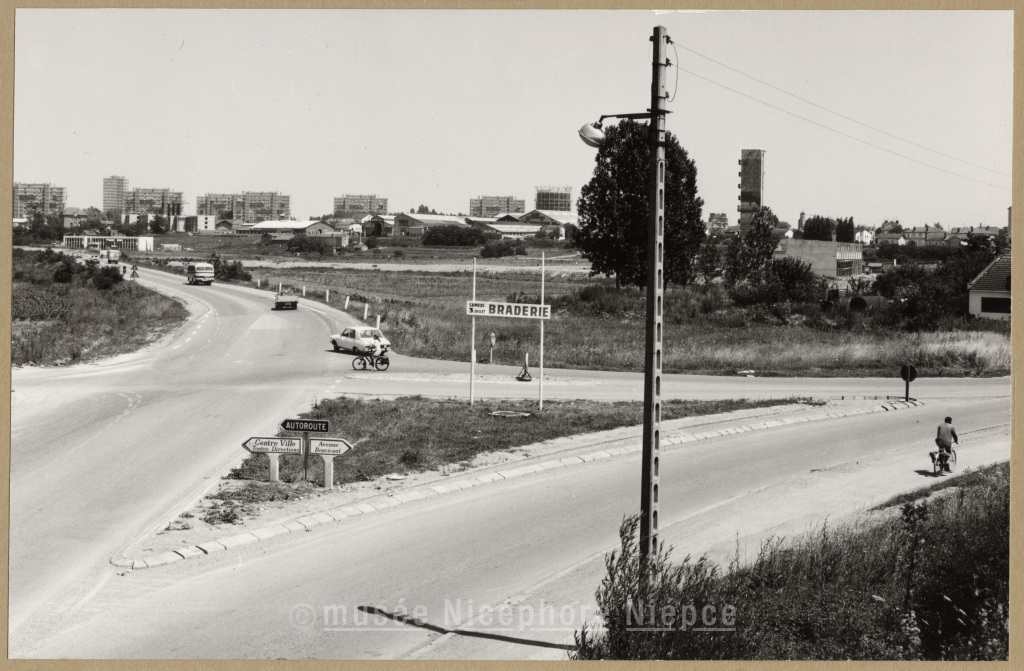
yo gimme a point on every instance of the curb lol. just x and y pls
(376, 504)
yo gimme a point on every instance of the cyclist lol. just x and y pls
(945, 438)
(375, 346)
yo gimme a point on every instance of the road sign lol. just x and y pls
(311, 425)
(521, 310)
(258, 445)
(908, 373)
(333, 446)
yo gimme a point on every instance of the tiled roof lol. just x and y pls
(994, 277)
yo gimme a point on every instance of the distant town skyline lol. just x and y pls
(875, 115)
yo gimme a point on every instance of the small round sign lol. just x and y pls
(908, 373)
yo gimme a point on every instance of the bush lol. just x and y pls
(107, 277)
(453, 235)
(786, 280)
(64, 273)
(371, 242)
(499, 248)
(309, 245)
(229, 270)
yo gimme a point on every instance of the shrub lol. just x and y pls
(229, 270)
(453, 235)
(64, 273)
(307, 244)
(499, 248)
(107, 277)
(371, 242)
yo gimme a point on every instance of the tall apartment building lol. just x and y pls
(352, 203)
(554, 198)
(751, 186)
(250, 207)
(152, 201)
(114, 190)
(490, 206)
(32, 198)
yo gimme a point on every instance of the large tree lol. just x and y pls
(614, 209)
(846, 231)
(819, 228)
(748, 257)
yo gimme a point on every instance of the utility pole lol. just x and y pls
(655, 252)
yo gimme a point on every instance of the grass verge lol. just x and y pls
(413, 433)
(74, 321)
(929, 582)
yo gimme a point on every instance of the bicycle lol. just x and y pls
(937, 462)
(370, 360)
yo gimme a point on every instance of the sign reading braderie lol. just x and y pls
(521, 310)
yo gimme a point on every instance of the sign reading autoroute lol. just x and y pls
(311, 425)
(258, 445)
(521, 310)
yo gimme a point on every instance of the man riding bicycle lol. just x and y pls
(944, 439)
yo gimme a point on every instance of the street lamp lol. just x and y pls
(594, 136)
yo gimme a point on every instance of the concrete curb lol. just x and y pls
(379, 503)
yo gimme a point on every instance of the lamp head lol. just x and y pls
(592, 134)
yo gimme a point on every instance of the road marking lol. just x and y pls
(314, 309)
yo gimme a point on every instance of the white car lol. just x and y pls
(357, 339)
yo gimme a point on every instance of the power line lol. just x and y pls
(852, 137)
(810, 102)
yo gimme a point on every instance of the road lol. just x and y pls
(139, 437)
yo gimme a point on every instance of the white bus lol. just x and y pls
(200, 273)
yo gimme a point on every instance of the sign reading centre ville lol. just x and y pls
(313, 425)
(521, 310)
(257, 445)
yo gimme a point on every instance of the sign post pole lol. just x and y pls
(328, 470)
(274, 468)
(305, 456)
(541, 403)
(328, 449)
(472, 342)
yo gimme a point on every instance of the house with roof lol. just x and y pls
(926, 236)
(989, 292)
(286, 230)
(890, 238)
(378, 225)
(864, 237)
(413, 225)
(552, 221)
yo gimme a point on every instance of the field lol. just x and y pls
(417, 434)
(597, 327)
(60, 323)
(926, 579)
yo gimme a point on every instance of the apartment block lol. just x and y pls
(491, 206)
(32, 198)
(355, 203)
(250, 207)
(115, 189)
(554, 198)
(152, 201)
(751, 186)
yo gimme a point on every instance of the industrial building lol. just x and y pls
(828, 259)
(491, 206)
(378, 225)
(413, 225)
(989, 293)
(751, 186)
(43, 198)
(554, 198)
(152, 201)
(551, 221)
(124, 242)
(248, 207)
(285, 230)
(350, 203)
(115, 189)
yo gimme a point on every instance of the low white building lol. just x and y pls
(125, 242)
(864, 237)
(989, 293)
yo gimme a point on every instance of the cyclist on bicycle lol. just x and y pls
(375, 346)
(944, 439)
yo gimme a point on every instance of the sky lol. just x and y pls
(871, 114)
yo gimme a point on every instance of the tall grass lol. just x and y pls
(596, 326)
(930, 582)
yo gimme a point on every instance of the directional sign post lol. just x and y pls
(306, 426)
(328, 449)
(909, 374)
(273, 447)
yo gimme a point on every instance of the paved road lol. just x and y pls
(101, 454)
(481, 547)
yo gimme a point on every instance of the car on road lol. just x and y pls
(285, 301)
(357, 339)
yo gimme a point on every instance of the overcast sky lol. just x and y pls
(437, 107)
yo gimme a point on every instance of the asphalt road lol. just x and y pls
(102, 454)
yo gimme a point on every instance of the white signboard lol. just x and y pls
(333, 446)
(521, 310)
(257, 445)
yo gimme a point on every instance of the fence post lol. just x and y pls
(278, 287)
(366, 311)
(346, 303)
(327, 296)
(378, 322)
(303, 290)
(257, 283)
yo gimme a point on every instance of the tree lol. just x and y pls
(819, 228)
(845, 230)
(614, 209)
(708, 260)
